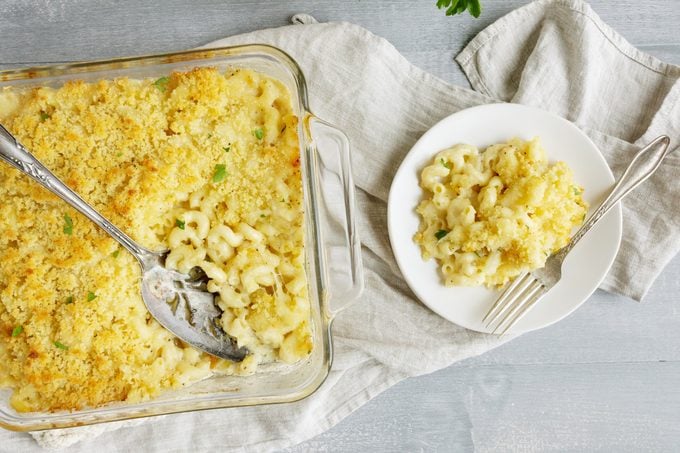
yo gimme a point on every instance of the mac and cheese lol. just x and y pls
(204, 163)
(488, 216)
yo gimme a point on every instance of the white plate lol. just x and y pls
(585, 267)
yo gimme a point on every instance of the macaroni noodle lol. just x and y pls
(487, 217)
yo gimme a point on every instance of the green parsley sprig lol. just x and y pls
(162, 83)
(68, 225)
(454, 7)
(220, 173)
(448, 165)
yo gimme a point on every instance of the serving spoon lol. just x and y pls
(179, 302)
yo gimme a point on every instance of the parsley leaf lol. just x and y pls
(116, 253)
(69, 300)
(220, 173)
(577, 192)
(475, 8)
(60, 345)
(17, 331)
(181, 224)
(259, 133)
(162, 83)
(454, 7)
(440, 234)
(226, 148)
(91, 296)
(44, 116)
(68, 224)
(448, 165)
(462, 6)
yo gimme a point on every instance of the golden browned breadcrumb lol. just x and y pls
(74, 331)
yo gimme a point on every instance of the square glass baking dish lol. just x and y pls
(332, 248)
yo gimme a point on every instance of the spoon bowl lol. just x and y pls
(182, 304)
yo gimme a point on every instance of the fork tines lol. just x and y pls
(519, 296)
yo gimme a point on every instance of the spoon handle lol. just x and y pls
(643, 165)
(15, 154)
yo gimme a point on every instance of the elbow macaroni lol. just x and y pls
(487, 217)
(145, 157)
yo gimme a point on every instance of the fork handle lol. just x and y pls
(15, 154)
(643, 165)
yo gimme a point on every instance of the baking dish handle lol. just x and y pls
(337, 215)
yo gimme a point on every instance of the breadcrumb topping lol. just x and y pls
(74, 331)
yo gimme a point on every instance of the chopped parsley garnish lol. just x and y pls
(577, 192)
(17, 331)
(226, 148)
(68, 224)
(263, 216)
(181, 224)
(446, 164)
(220, 173)
(60, 345)
(162, 83)
(119, 154)
(91, 296)
(116, 253)
(69, 300)
(259, 133)
(440, 234)
(44, 116)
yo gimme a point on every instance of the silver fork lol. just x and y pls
(530, 287)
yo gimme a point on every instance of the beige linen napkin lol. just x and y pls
(554, 54)
(559, 56)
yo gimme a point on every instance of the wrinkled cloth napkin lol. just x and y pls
(553, 54)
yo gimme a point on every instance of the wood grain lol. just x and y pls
(605, 379)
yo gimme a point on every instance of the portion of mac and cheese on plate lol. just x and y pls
(204, 163)
(488, 216)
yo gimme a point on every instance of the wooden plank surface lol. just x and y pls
(605, 379)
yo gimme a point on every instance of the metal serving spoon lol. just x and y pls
(181, 303)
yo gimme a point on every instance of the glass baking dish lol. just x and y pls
(332, 248)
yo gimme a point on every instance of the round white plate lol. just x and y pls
(585, 267)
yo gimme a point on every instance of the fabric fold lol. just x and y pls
(571, 63)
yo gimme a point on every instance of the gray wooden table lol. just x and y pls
(607, 378)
